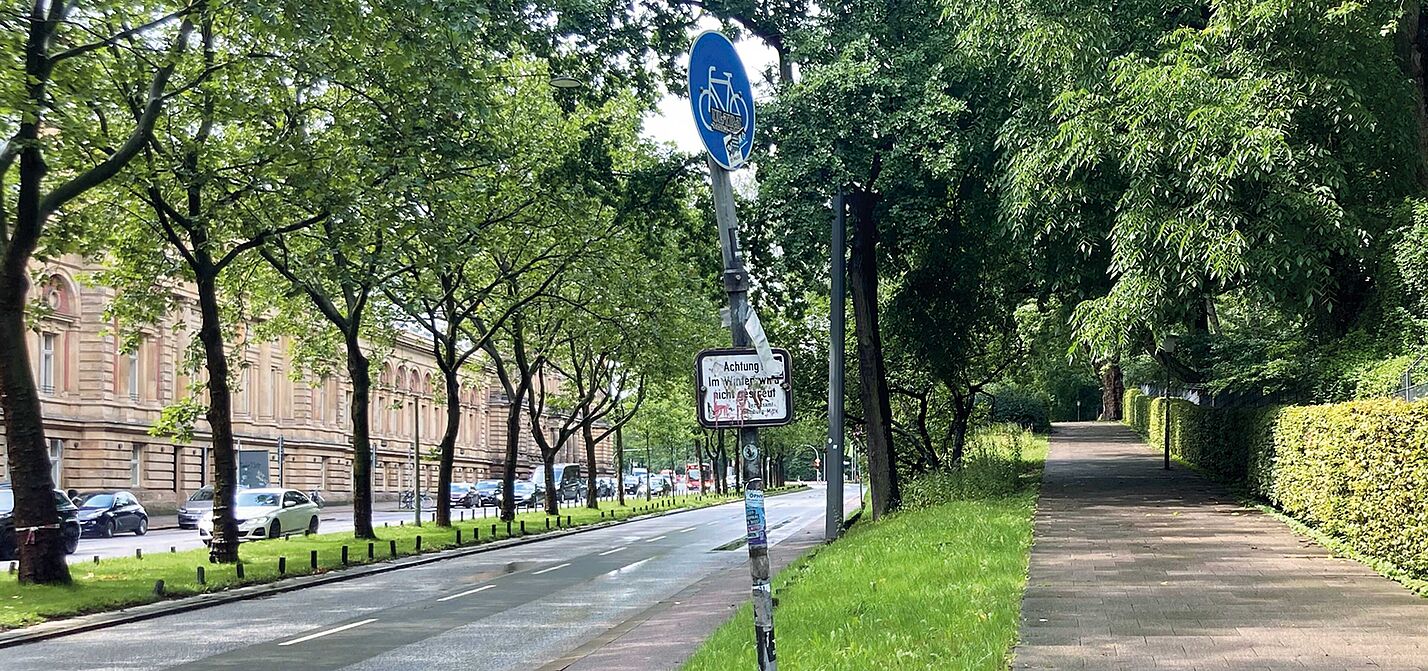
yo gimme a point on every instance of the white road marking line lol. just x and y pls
(656, 538)
(553, 568)
(610, 552)
(687, 530)
(468, 592)
(320, 634)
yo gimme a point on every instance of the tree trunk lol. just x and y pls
(620, 464)
(41, 554)
(1113, 389)
(359, 369)
(961, 421)
(872, 374)
(508, 474)
(224, 547)
(592, 500)
(552, 497)
(448, 448)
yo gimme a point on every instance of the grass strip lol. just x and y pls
(934, 587)
(118, 583)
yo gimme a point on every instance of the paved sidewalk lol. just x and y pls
(1137, 568)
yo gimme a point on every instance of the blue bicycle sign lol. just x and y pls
(722, 99)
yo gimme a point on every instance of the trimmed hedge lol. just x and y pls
(1356, 470)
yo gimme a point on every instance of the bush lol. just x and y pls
(1014, 405)
(992, 467)
(1356, 470)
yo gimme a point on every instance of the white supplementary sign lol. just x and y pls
(737, 388)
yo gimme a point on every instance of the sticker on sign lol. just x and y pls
(735, 388)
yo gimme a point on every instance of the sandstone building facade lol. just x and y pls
(100, 402)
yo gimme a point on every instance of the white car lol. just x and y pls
(267, 513)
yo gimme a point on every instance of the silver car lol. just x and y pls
(267, 513)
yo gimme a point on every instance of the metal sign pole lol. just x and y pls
(833, 522)
(736, 283)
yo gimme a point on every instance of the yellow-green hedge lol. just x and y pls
(1357, 470)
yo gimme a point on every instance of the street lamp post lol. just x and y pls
(1167, 345)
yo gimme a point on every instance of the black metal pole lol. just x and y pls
(833, 460)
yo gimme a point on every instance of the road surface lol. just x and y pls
(514, 608)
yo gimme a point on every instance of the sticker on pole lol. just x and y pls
(736, 388)
(722, 99)
(757, 525)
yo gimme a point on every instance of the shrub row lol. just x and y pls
(1356, 470)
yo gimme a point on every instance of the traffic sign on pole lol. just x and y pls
(723, 106)
(737, 389)
(722, 98)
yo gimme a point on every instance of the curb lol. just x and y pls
(104, 620)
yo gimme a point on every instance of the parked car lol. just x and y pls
(605, 486)
(569, 485)
(526, 493)
(486, 491)
(463, 494)
(267, 513)
(9, 541)
(198, 503)
(634, 484)
(106, 513)
(661, 484)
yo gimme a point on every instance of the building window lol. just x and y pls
(47, 362)
(319, 407)
(134, 375)
(323, 486)
(56, 460)
(136, 465)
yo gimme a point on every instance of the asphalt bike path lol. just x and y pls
(514, 608)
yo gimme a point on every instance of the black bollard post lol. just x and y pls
(344, 555)
(523, 527)
(508, 529)
(312, 559)
(567, 520)
(282, 565)
(138, 553)
(458, 537)
(239, 568)
(392, 548)
(201, 579)
(158, 588)
(371, 550)
(547, 523)
(418, 543)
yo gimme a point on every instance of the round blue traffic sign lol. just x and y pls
(722, 99)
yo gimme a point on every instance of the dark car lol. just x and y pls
(110, 512)
(463, 494)
(526, 493)
(487, 491)
(605, 486)
(9, 541)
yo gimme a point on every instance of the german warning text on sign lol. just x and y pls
(736, 389)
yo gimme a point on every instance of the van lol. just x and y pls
(568, 483)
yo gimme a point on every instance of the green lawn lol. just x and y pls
(116, 583)
(934, 587)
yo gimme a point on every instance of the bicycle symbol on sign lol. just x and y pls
(724, 110)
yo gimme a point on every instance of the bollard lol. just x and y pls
(392, 548)
(138, 553)
(282, 565)
(547, 523)
(418, 543)
(96, 559)
(567, 520)
(13, 566)
(458, 537)
(172, 549)
(201, 580)
(312, 559)
(475, 534)
(158, 588)
(371, 550)
(523, 527)
(508, 529)
(344, 555)
(493, 532)
(239, 568)
(402, 523)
